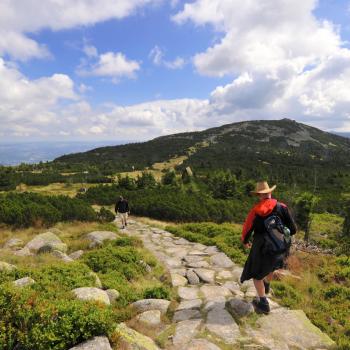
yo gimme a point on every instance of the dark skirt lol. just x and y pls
(258, 264)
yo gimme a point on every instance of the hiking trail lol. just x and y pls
(215, 310)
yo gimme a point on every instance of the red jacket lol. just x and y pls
(264, 208)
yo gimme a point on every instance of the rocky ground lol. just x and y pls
(214, 308)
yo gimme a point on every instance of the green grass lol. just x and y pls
(46, 315)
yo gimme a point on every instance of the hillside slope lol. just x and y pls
(262, 143)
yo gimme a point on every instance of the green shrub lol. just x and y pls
(157, 293)
(105, 215)
(288, 294)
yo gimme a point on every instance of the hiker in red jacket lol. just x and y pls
(259, 265)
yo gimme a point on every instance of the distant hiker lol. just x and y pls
(122, 208)
(264, 257)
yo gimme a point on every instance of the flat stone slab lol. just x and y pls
(177, 280)
(221, 260)
(197, 264)
(150, 318)
(151, 304)
(187, 314)
(217, 303)
(181, 241)
(233, 287)
(287, 329)
(130, 339)
(92, 294)
(185, 331)
(198, 253)
(211, 250)
(201, 344)
(220, 323)
(96, 343)
(190, 304)
(179, 271)
(192, 258)
(188, 293)
(236, 273)
(172, 263)
(205, 275)
(212, 292)
(224, 274)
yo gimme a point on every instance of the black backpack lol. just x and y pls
(277, 239)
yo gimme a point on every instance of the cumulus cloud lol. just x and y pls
(157, 57)
(112, 64)
(18, 18)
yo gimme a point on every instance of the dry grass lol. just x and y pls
(54, 189)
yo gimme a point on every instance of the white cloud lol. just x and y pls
(90, 51)
(18, 17)
(157, 57)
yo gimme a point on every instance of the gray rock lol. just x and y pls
(217, 303)
(197, 264)
(172, 263)
(92, 294)
(4, 266)
(220, 323)
(212, 292)
(286, 329)
(181, 241)
(129, 339)
(23, 282)
(187, 314)
(96, 343)
(177, 280)
(61, 256)
(76, 255)
(224, 274)
(239, 307)
(192, 277)
(185, 331)
(236, 273)
(145, 266)
(97, 237)
(221, 260)
(113, 295)
(151, 304)
(190, 304)
(198, 253)
(179, 271)
(45, 243)
(211, 250)
(188, 293)
(14, 243)
(205, 275)
(192, 258)
(23, 252)
(233, 287)
(150, 318)
(201, 344)
(199, 246)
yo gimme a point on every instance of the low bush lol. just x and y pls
(28, 209)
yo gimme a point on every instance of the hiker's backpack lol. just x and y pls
(277, 239)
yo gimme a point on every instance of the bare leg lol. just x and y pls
(269, 277)
(260, 288)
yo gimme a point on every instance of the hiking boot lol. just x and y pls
(126, 224)
(261, 306)
(267, 287)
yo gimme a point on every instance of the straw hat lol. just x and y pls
(263, 187)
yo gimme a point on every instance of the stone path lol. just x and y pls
(212, 301)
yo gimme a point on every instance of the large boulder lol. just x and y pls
(92, 294)
(96, 343)
(23, 282)
(286, 329)
(129, 339)
(150, 318)
(46, 242)
(76, 255)
(97, 237)
(4, 266)
(23, 252)
(151, 304)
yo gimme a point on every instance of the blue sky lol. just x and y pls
(129, 70)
